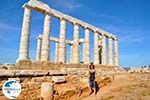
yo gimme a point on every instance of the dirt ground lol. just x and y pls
(119, 90)
(123, 90)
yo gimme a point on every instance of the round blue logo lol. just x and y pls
(11, 89)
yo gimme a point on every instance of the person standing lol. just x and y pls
(92, 85)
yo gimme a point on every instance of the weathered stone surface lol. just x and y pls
(56, 72)
(41, 73)
(45, 41)
(86, 47)
(58, 79)
(139, 70)
(47, 91)
(25, 35)
(17, 79)
(24, 73)
(62, 44)
(6, 73)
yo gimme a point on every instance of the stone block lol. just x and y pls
(6, 73)
(40, 73)
(58, 79)
(47, 91)
(56, 72)
(25, 73)
(17, 79)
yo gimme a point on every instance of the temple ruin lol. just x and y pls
(43, 40)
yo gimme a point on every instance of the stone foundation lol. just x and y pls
(32, 76)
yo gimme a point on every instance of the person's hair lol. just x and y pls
(91, 66)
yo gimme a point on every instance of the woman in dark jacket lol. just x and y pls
(92, 79)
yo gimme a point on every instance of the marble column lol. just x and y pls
(62, 43)
(71, 53)
(56, 52)
(103, 50)
(110, 59)
(96, 49)
(39, 45)
(45, 54)
(86, 47)
(25, 36)
(76, 44)
(116, 62)
(100, 49)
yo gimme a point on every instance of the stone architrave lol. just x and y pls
(25, 36)
(62, 41)
(45, 53)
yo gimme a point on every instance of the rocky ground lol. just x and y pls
(123, 90)
(114, 83)
(118, 89)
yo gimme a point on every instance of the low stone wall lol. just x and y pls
(76, 78)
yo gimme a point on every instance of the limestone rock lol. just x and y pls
(58, 79)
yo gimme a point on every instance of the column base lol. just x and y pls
(24, 63)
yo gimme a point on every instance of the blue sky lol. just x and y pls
(128, 19)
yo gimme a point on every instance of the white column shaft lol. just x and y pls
(103, 50)
(56, 52)
(71, 53)
(45, 54)
(62, 39)
(25, 35)
(38, 52)
(86, 47)
(96, 49)
(116, 62)
(76, 44)
(110, 59)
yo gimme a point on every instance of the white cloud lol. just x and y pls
(4, 26)
(135, 36)
(68, 5)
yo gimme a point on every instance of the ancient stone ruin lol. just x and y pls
(58, 80)
(43, 40)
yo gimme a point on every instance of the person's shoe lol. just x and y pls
(90, 92)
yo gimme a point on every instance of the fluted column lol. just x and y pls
(103, 50)
(56, 52)
(110, 59)
(96, 49)
(86, 47)
(45, 54)
(71, 53)
(38, 52)
(25, 35)
(76, 44)
(116, 62)
(62, 44)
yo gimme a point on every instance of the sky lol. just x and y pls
(129, 20)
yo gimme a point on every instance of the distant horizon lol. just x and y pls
(128, 20)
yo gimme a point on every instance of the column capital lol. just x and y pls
(110, 36)
(39, 36)
(96, 31)
(115, 39)
(26, 6)
(86, 27)
(62, 18)
(75, 23)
